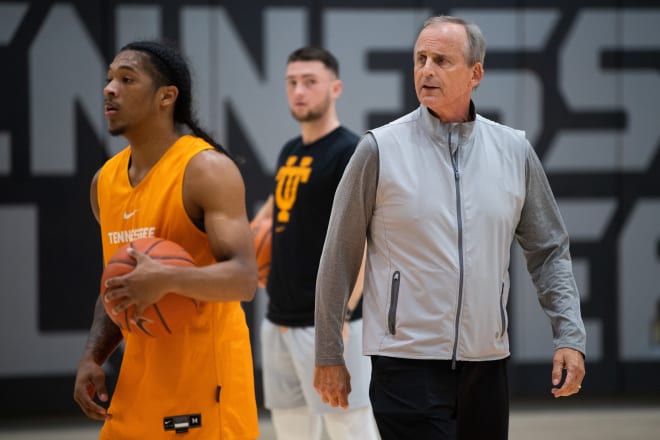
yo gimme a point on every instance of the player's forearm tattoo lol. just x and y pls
(104, 336)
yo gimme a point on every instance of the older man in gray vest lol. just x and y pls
(440, 194)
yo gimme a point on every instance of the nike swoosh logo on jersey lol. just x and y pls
(128, 215)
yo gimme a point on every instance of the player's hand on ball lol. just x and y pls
(141, 287)
(138, 288)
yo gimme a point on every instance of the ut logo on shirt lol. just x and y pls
(288, 177)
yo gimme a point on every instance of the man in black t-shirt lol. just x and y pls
(309, 168)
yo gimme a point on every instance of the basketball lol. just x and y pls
(262, 244)
(169, 314)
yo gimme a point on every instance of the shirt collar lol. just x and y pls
(461, 132)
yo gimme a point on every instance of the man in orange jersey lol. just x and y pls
(184, 188)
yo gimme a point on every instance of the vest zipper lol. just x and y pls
(459, 221)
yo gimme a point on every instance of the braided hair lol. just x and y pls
(170, 68)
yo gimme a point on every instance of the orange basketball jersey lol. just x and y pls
(202, 375)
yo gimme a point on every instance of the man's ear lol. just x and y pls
(477, 74)
(168, 95)
(337, 87)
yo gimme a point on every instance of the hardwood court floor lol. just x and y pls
(628, 421)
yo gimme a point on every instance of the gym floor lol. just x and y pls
(630, 420)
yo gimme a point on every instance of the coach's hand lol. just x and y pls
(573, 362)
(90, 380)
(333, 383)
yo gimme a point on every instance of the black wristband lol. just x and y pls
(348, 314)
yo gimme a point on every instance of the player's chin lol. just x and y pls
(302, 116)
(116, 130)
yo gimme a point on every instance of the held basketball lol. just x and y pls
(167, 315)
(262, 245)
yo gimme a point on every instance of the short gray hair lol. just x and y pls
(476, 43)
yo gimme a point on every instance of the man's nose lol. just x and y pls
(110, 89)
(427, 68)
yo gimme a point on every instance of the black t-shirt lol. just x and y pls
(305, 183)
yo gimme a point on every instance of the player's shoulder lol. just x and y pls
(211, 157)
(348, 134)
(345, 140)
(211, 163)
(291, 145)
